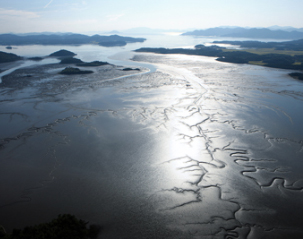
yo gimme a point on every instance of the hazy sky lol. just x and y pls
(99, 15)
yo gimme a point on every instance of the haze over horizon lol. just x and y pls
(84, 16)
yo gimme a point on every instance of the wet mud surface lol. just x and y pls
(195, 149)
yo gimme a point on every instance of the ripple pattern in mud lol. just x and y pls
(228, 168)
(228, 163)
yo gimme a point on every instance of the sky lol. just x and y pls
(81, 16)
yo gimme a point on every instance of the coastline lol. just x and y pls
(37, 74)
(284, 60)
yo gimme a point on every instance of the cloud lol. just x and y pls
(113, 18)
(48, 4)
(4, 13)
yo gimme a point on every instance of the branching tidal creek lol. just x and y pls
(194, 148)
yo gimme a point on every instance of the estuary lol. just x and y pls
(187, 147)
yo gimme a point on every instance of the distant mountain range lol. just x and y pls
(218, 31)
(273, 32)
(287, 29)
(66, 39)
(147, 31)
(42, 33)
(144, 31)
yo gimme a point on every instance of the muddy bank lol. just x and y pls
(49, 74)
(196, 149)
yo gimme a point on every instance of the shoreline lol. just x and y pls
(277, 61)
(18, 77)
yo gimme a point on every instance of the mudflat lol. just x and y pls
(196, 148)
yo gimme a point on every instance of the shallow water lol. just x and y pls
(192, 149)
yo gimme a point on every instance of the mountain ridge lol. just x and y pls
(241, 32)
(67, 39)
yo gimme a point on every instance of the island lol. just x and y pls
(93, 63)
(62, 53)
(130, 69)
(70, 60)
(9, 57)
(69, 68)
(295, 45)
(66, 57)
(283, 55)
(297, 75)
(74, 71)
(36, 58)
(67, 39)
(241, 32)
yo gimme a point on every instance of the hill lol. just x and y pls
(296, 45)
(246, 33)
(67, 39)
(8, 57)
(281, 57)
(74, 71)
(62, 53)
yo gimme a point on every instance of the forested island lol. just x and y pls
(66, 57)
(74, 71)
(297, 75)
(67, 39)
(296, 45)
(62, 53)
(283, 55)
(9, 57)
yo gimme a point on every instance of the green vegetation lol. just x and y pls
(296, 45)
(35, 58)
(130, 69)
(67, 57)
(259, 63)
(63, 227)
(62, 53)
(8, 57)
(263, 51)
(93, 63)
(297, 75)
(74, 71)
(67, 39)
(287, 55)
(282, 61)
(199, 50)
(71, 60)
